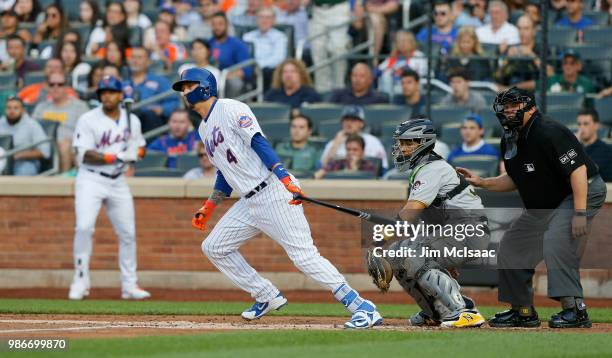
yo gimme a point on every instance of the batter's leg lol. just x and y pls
(120, 211)
(221, 247)
(287, 225)
(89, 194)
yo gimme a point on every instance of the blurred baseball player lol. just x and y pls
(104, 145)
(438, 195)
(246, 163)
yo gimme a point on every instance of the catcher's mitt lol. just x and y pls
(380, 270)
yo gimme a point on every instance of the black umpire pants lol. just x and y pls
(545, 235)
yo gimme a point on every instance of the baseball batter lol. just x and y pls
(104, 144)
(247, 164)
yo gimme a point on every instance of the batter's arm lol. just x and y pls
(96, 158)
(411, 211)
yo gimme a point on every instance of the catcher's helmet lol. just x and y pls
(421, 130)
(207, 84)
(109, 83)
(513, 95)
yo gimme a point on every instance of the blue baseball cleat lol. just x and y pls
(365, 317)
(261, 308)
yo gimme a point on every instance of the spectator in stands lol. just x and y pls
(411, 93)
(532, 10)
(167, 15)
(200, 53)
(499, 31)
(120, 36)
(292, 85)
(466, 48)
(605, 6)
(574, 18)
(54, 24)
(66, 111)
(10, 25)
(404, 55)
(134, 17)
(304, 156)
(444, 32)
(353, 122)
(89, 14)
(25, 131)
(185, 13)
(295, 14)
(470, 13)
(115, 17)
(114, 54)
(70, 55)
(205, 170)
(146, 85)
(516, 70)
(18, 62)
(166, 50)
(228, 51)
(354, 160)
(378, 10)
(39, 91)
(360, 91)
(29, 11)
(270, 44)
(462, 96)
(332, 42)
(100, 70)
(557, 9)
(201, 29)
(245, 15)
(600, 152)
(181, 139)
(570, 80)
(472, 133)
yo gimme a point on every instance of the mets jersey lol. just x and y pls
(96, 131)
(226, 134)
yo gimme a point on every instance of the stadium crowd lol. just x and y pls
(336, 123)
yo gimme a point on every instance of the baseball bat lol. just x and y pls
(374, 218)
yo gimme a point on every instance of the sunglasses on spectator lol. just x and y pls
(200, 155)
(440, 13)
(57, 84)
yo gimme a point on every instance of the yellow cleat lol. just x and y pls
(465, 319)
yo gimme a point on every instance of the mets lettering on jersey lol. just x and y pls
(227, 135)
(105, 140)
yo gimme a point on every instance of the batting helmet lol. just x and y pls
(207, 84)
(109, 83)
(513, 95)
(420, 130)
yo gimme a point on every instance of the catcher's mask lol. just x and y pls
(412, 140)
(513, 96)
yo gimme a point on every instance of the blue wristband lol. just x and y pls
(280, 171)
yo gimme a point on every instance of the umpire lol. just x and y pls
(562, 191)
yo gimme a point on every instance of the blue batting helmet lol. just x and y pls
(109, 83)
(204, 78)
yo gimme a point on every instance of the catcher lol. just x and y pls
(437, 195)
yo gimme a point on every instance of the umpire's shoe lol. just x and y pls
(571, 318)
(513, 318)
(261, 308)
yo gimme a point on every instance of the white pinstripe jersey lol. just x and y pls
(227, 134)
(96, 131)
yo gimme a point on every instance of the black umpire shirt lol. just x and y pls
(547, 153)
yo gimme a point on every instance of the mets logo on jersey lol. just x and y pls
(244, 121)
(212, 143)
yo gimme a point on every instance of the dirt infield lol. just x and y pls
(484, 297)
(99, 326)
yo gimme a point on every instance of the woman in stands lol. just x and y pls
(465, 54)
(70, 54)
(50, 29)
(28, 11)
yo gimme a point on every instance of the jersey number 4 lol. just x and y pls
(231, 158)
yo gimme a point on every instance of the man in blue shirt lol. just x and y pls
(600, 152)
(444, 32)
(227, 51)
(181, 139)
(472, 132)
(574, 17)
(146, 85)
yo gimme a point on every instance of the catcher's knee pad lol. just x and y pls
(425, 302)
(409, 266)
(443, 290)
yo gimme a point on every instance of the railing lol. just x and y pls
(257, 92)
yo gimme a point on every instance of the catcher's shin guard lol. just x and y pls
(444, 291)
